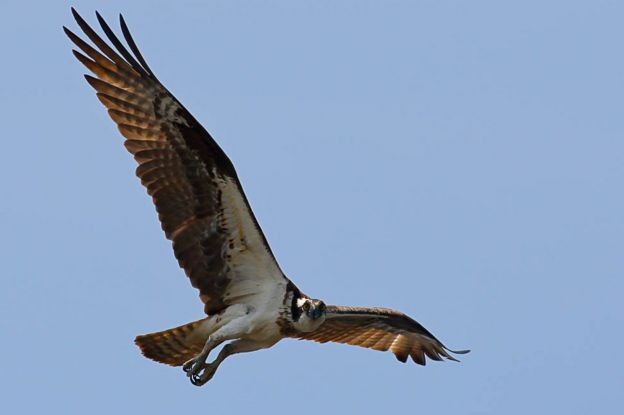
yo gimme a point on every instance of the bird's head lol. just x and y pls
(311, 314)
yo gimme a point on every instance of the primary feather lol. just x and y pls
(216, 238)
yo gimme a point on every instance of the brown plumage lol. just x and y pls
(216, 239)
(174, 346)
(379, 329)
(200, 202)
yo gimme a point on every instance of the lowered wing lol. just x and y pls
(380, 329)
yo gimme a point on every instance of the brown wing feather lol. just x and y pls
(199, 200)
(380, 329)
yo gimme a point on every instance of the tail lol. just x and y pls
(174, 346)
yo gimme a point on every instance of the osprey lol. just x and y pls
(216, 239)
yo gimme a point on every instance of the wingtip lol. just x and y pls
(78, 55)
(81, 22)
(453, 358)
(101, 20)
(91, 80)
(71, 35)
(122, 23)
(76, 14)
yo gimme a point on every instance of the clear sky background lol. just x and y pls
(460, 161)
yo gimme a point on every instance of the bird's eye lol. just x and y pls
(322, 307)
(306, 306)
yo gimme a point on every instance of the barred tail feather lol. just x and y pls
(174, 346)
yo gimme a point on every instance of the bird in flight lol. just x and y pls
(248, 301)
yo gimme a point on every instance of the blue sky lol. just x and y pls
(459, 161)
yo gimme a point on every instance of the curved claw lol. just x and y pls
(194, 367)
(188, 366)
(198, 371)
(203, 375)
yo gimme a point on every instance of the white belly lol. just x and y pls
(258, 322)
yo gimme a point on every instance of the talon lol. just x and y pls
(196, 380)
(194, 366)
(188, 365)
(203, 375)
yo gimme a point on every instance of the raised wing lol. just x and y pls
(199, 200)
(380, 329)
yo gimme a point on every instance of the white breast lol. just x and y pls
(266, 307)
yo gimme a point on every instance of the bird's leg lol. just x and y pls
(198, 363)
(208, 370)
(235, 316)
(235, 322)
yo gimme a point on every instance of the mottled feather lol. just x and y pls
(379, 329)
(174, 346)
(216, 238)
(197, 194)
